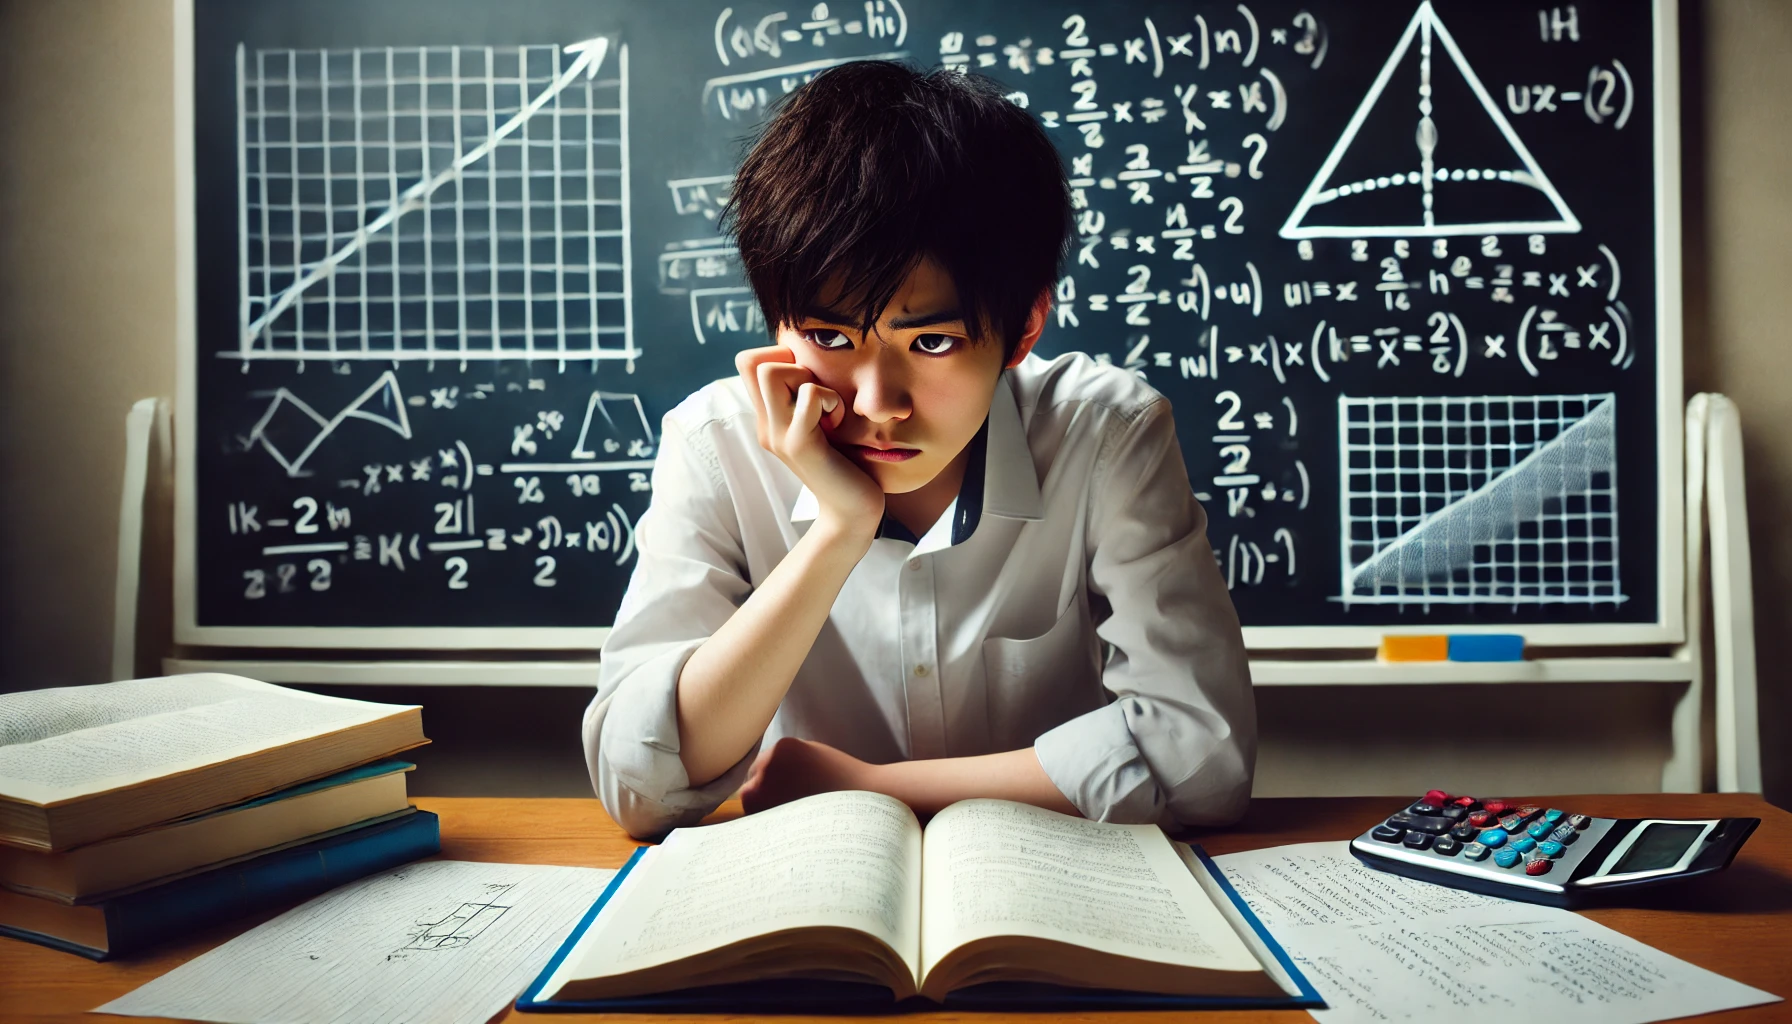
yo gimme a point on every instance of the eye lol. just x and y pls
(936, 344)
(826, 338)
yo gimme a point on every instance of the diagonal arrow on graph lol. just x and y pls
(385, 387)
(590, 57)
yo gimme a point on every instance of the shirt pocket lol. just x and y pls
(1037, 683)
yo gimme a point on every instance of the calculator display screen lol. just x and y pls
(1659, 846)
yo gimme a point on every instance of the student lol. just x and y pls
(886, 555)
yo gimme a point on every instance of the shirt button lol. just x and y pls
(920, 670)
(914, 565)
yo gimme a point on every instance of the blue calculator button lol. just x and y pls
(1506, 858)
(1554, 816)
(1474, 851)
(1537, 829)
(1523, 844)
(1564, 834)
(1493, 838)
(1550, 848)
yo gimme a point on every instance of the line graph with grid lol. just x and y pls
(1479, 500)
(442, 203)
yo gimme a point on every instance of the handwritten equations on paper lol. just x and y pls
(1395, 268)
(1380, 947)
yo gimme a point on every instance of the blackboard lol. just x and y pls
(1408, 271)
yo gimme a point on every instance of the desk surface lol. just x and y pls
(1738, 924)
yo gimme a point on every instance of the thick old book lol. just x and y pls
(843, 901)
(293, 815)
(83, 763)
(120, 923)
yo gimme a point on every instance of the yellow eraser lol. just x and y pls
(1415, 648)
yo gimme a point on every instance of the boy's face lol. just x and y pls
(916, 389)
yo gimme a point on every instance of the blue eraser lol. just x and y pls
(1487, 647)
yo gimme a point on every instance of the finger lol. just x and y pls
(778, 384)
(807, 414)
(746, 362)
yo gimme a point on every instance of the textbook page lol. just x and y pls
(995, 867)
(1382, 947)
(74, 741)
(848, 858)
(450, 941)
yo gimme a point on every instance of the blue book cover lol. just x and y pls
(141, 918)
(819, 997)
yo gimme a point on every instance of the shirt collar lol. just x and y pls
(1010, 480)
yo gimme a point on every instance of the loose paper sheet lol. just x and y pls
(450, 941)
(1382, 947)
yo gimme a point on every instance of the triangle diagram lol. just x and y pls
(290, 423)
(1428, 154)
(1573, 462)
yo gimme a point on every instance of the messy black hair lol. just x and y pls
(875, 165)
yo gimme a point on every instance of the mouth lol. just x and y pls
(864, 451)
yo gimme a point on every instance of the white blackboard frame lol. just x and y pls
(1669, 626)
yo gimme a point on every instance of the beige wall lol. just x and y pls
(86, 327)
(86, 309)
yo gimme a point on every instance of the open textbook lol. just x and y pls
(848, 887)
(84, 763)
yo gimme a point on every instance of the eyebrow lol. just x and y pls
(901, 323)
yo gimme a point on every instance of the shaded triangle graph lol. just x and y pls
(1428, 154)
(1564, 488)
(290, 422)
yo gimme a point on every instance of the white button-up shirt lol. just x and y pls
(1088, 532)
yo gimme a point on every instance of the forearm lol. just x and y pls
(732, 685)
(931, 785)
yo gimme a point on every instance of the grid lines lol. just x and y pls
(1479, 500)
(448, 203)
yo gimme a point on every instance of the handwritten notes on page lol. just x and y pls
(1382, 947)
(450, 941)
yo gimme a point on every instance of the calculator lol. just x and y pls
(1525, 851)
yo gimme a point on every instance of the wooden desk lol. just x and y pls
(1738, 924)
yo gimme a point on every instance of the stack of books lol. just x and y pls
(135, 812)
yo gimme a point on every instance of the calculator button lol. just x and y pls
(1554, 816)
(1493, 838)
(1537, 865)
(1550, 848)
(1417, 840)
(1453, 813)
(1505, 858)
(1474, 851)
(1402, 821)
(1579, 821)
(1537, 829)
(1564, 834)
(1465, 833)
(1447, 846)
(1496, 807)
(1387, 833)
(1479, 818)
(1430, 823)
(1436, 797)
(1523, 844)
(1423, 807)
(1467, 803)
(1529, 811)
(1511, 822)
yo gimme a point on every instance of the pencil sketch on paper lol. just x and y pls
(1467, 173)
(1479, 500)
(462, 925)
(436, 203)
(273, 425)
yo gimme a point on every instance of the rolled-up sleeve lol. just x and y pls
(1178, 744)
(689, 577)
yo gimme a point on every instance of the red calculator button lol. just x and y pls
(1467, 803)
(1496, 807)
(1479, 819)
(1537, 867)
(1436, 797)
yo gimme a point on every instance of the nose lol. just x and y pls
(881, 386)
